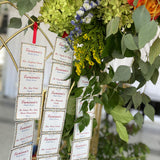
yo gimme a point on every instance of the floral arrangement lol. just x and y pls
(100, 31)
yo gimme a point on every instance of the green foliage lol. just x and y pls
(15, 23)
(149, 111)
(139, 119)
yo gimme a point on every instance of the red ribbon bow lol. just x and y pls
(64, 34)
(35, 26)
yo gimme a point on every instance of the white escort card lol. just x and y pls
(86, 133)
(32, 56)
(22, 153)
(24, 133)
(53, 121)
(79, 113)
(49, 144)
(62, 51)
(83, 82)
(28, 107)
(30, 82)
(59, 74)
(57, 98)
(48, 158)
(80, 150)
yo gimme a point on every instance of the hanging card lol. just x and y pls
(83, 82)
(30, 82)
(32, 56)
(79, 113)
(49, 158)
(53, 121)
(24, 133)
(56, 98)
(62, 51)
(22, 153)
(28, 107)
(86, 133)
(49, 144)
(80, 150)
(59, 74)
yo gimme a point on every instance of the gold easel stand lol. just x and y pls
(95, 138)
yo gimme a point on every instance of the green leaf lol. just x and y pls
(86, 119)
(123, 47)
(121, 114)
(123, 73)
(78, 91)
(135, 2)
(154, 51)
(129, 42)
(81, 126)
(91, 105)
(144, 66)
(92, 81)
(26, 6)
(97, 89)
(112, 26)
(147, 33)
(121, 130)
(88, 90)
(157, 62)
(137, 99)
(97, 100)
(145, 99)
(129, 91)
(84, 107)
(141, 16)
(149, 111)
(71, 105)
(155, 76)
(15, 23)
(139, 119)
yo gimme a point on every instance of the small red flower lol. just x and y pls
(64, 34)
(130, 2)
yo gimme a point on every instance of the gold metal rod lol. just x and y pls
(9, 52)
(71, 89)
(19, 31)
(46, 58)
(4, 2)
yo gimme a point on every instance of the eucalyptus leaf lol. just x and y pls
(97, 100)
(139, 119)
(121, 114)
(145, 99)
(84, 107)
(129, 42)
(81, 126)
(155, 76)
(123, 47)
(121, 130)
(122, 73)
(112, 26)
(129, 91)
(91, 105)
(15, 23)
(147, 33)
(154, 51)
(137, 99)
(141, 16)
(149, 111)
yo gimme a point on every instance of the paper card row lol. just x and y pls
(49, 144)
(21, 153)
(30, 82)
(28, 107)
(53, 121)
(56, 98)
(59, 74)
(62, 52)
(80, 150)
(32, 56)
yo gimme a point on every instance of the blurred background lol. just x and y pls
(149, 134)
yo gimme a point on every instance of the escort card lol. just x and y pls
(79, 113)
(32, 56)
(49, 158)
(56, 97)
(22, 153)
(80, 150)
(24, 133)
(62, 51)
(83, 82)
(53, 121)
(59, 73)
(49, 144)
(28, 107)
(30, 82)
(86, 133)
